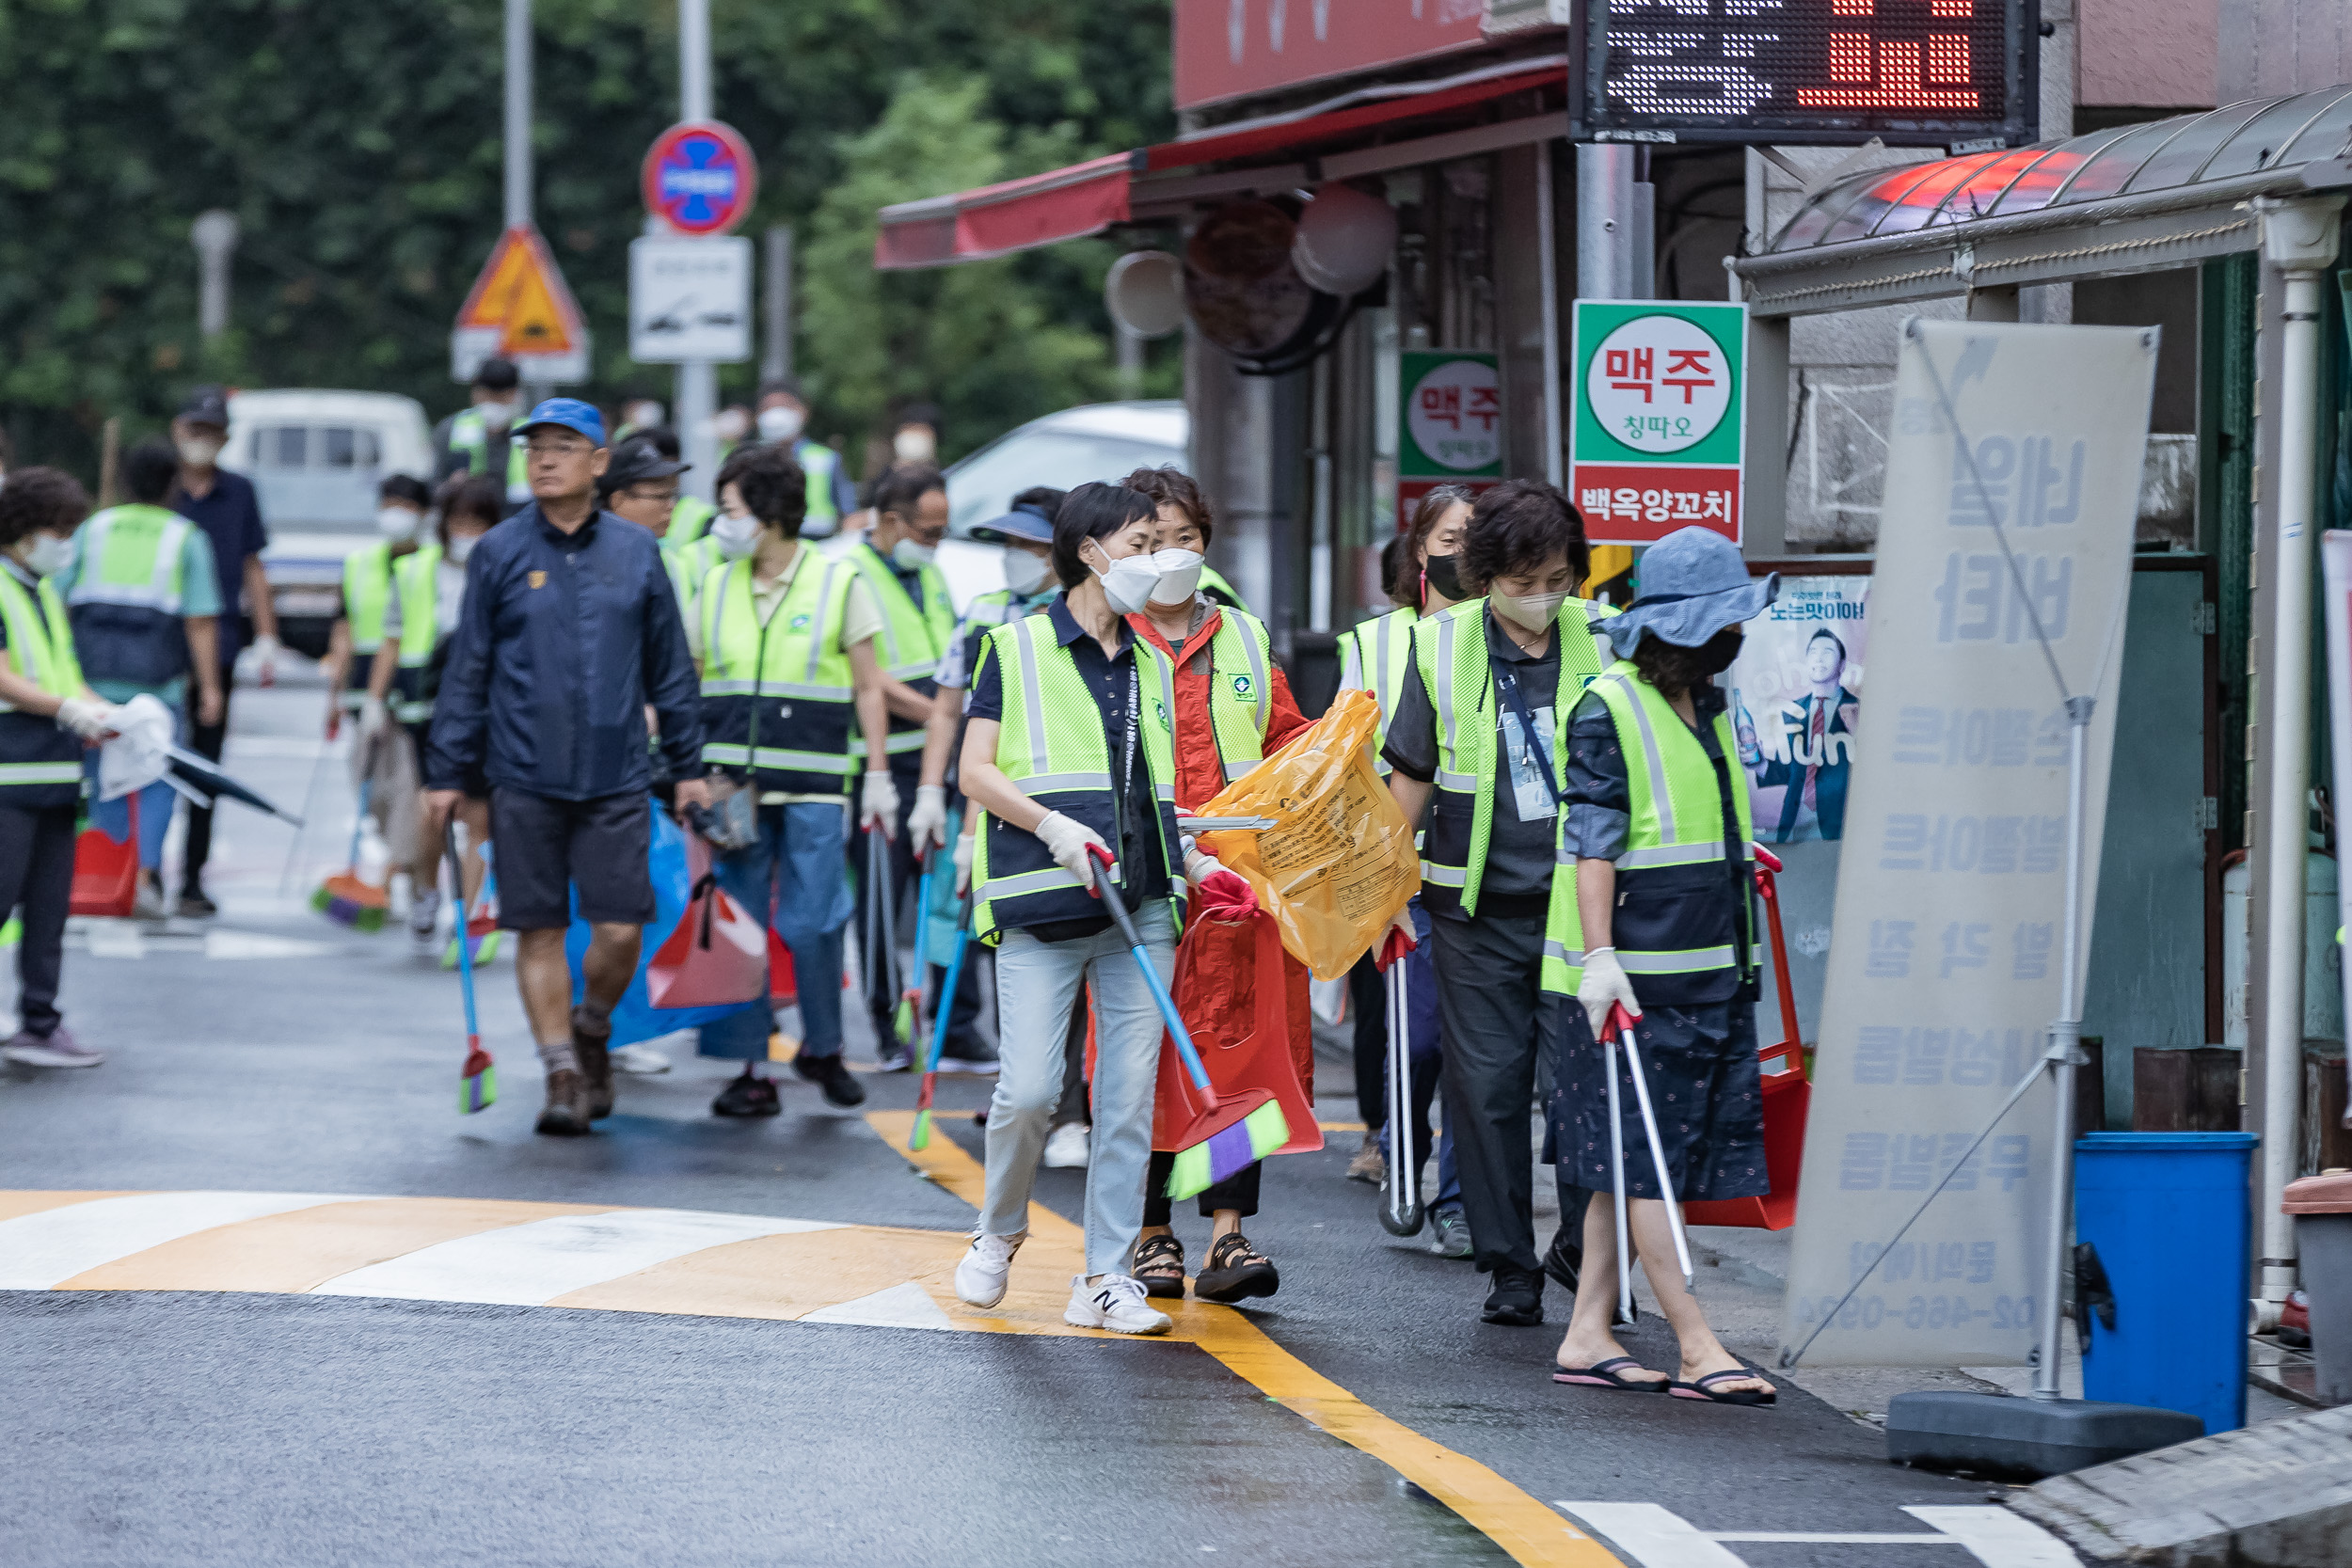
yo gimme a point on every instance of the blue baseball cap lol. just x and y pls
(570, 413)
(1027, 524)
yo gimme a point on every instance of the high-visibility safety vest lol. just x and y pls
(1215, 586)
(470, 434)
(687, 566)
(778, 695)
(819, 461)
(1241, 696)
(690, 520)
(1450, 655)
(417, 579)
(1375, 658)
(367, 594)
(40, 765)
(1683, 910)
(913, 636)
(127, 596)
(1051, 746)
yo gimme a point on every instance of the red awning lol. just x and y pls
(1086, 198)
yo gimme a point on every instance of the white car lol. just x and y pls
(316, 459)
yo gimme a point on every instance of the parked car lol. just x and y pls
(316, 459)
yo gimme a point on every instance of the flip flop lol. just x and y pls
(1604, 1374)
(1699, 1389)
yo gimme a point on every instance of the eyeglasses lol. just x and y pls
(550, 446)
(667, 496)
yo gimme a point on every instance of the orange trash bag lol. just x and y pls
(1339, 863)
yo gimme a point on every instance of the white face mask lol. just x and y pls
(730, 425)
(912, 556)
(1180, 577)
(780, 423)
(915, 444)
(1528, 612)
(1025, 574)
(735, 532)
(645, 416)
(198, 451)
(48, 555)
(397, 523)
(460, 546)
(496, 416)
(1129, 582)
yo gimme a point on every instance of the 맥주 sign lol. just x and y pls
(1657, 438)
(1449, 422)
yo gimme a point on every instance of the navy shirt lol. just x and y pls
(563, 641)
(231, 515)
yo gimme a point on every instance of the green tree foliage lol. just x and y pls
(359, 146)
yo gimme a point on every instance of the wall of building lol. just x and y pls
(2150, 54)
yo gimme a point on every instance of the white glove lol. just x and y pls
(1067, 841)
(89, 720)
(373, 717)
(1604, 984)
(963, 863)
(926, 824)
(266, 652)
(880, 809)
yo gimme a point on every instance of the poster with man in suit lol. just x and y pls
(1795, 691)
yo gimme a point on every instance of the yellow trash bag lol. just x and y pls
(1339, 861)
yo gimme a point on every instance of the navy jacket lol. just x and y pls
(563, 641)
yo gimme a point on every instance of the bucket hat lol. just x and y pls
(1693, 584)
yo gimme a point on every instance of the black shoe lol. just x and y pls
(1563, 1259)
(834, 1074)
(193, 904)
(893, 1057)
(747, 1096)
(1518, 1299)
(590, 1041)
(1236, 1271)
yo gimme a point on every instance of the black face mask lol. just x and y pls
(1445, 576)
(1715, 655)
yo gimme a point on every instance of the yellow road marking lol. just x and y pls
(1532, 1533)
(17, 1205)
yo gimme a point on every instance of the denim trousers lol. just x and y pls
(1037, 985)
(795, 876)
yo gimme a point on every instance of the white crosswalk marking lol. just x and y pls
(1649, 1535)
(39, 1252)
(1996, 1537)
(525, 1265)
(906, 1305)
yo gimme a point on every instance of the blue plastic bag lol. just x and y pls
(635, 1018)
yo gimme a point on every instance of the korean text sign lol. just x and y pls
(1659, 429)
(1944, 965)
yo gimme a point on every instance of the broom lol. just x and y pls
(478, 1080)
(907, 1025)
(921, 1136)
(1232, 1131)
(344, 898)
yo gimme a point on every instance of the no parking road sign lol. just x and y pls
(700, 178)
(1658, 442)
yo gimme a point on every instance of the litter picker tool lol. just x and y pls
(310, 799)
(1229, 1134)
(478, 1080)
(909, 1022)
(1619, 1031)
(879, 938)
(921, 1136)
(1400, 1202)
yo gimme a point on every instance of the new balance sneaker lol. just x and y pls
(1454, 1234)
(834, 1074)
(1115, 1302)
(640, 1060)
(986, 1264)
(55, 1049)
(1066, 1146)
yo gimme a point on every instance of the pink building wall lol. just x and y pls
(2150, 54)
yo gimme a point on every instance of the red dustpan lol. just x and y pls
(1786, 1097)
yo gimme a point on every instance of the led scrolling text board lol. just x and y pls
(1956, 74)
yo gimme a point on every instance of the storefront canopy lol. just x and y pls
(1088, 198)
(2133, 199)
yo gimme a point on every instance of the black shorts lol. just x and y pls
(543, 846)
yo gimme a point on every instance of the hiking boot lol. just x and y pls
(56, 1048)
(832, 1073)
(1236, 1271)
(986, 1264)
(590, 1038)
(1453, 1237)
(567, 1112)
(1370, 1165)
(747, 1096)
(1517, 1300)
(1114, 1302)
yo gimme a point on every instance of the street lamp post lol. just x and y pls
(215, 235)
(697, 384)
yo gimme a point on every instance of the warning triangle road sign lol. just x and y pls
(521, 310)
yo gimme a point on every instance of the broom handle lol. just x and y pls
(1176, 1030)
(464, 921)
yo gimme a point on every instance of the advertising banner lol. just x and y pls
(1449, 422)
(1945, 962)
(1796, 692)
(1656, 442)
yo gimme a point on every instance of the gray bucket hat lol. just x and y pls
(1694, 585)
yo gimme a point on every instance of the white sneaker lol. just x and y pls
(55, 1049)
(1114, 1301)
(986, 1264)
(643, 1060)
(424, 915)
(1066, 1146)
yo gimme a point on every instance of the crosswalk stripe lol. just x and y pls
(529, 1265)
(41, 1251)
(906, 1305)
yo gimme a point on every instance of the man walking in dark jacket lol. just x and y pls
(568, 632)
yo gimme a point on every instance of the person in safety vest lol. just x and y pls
(1233, 707)
(1661, 922)
(786, 639)
(832, 494)
(896, 561)
(384, 760)
(428, 596)
(639, 417)
(642, 487)
(48, 716)
(145, 601)
(478, 438)
(1476, 748)
(1377, 657)
(1069, 753)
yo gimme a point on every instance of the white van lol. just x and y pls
(316, 459)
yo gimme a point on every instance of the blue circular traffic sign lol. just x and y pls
(700, 178)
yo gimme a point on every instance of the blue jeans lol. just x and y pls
(794, 876)
(113, 817)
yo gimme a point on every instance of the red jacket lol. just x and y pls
(1199, 771)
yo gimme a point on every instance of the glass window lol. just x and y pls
(2267, 137)
(282, 446)
(2113, 169)
(2186, 156)
(365, 452)
(335, 446)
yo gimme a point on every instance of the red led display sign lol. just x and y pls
(1961, 73)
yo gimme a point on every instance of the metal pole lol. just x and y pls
(517, 112)
(693, 60)
(697, 387)
(775, 363)
(1548, 264)
(215, 235)
(1130, 361)
(1604, 221)
(1319, 538)
(2065, 1054)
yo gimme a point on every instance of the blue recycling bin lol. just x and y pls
(2169, 1217)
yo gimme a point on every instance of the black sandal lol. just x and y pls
(1704, 1388)
(1236, 1271)
(1160, 1264)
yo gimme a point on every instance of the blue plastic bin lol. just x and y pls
(2167, 1212)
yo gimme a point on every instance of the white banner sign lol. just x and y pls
(690, 300)
(1945, 961)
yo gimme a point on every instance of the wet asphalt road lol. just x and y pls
(175, 1427)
